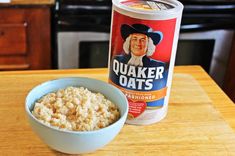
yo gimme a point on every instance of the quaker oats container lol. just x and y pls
(143, 41)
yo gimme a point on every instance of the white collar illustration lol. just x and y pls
(136, 60)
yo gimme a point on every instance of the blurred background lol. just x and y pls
(68, 34)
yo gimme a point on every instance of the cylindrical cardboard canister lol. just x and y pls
(143, 42)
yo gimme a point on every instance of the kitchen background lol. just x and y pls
(65, 34)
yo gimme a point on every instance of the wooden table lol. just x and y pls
(200, 120)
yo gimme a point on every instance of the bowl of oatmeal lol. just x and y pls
(76, 115)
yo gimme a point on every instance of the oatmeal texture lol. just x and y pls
(76, 109)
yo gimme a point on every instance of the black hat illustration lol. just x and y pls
(126, 30)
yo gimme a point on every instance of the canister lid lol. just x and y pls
(147, 5)
(149, 9)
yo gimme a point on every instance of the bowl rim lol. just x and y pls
(70, 131)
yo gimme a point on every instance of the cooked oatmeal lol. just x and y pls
(77, 109)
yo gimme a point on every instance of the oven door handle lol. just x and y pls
(204, 26)
(79, 26)
(86, 8)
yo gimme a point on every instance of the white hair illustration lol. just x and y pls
(150, 46)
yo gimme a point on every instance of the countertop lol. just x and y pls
(200, 119)
(29, 2)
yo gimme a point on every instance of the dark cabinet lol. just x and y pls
(229, 82)
(25, 40)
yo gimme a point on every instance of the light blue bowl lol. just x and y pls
(74, 142)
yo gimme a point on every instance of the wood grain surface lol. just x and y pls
(199, 121)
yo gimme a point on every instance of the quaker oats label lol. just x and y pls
(142, 54)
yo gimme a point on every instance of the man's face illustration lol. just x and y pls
(138, 44)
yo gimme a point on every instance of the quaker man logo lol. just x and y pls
(140, 42)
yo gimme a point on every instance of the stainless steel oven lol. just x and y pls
(207, 30)
(89, 49)
(209, 49)
(206, 36)
(82, 35)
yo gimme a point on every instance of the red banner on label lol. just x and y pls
(136, 108)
